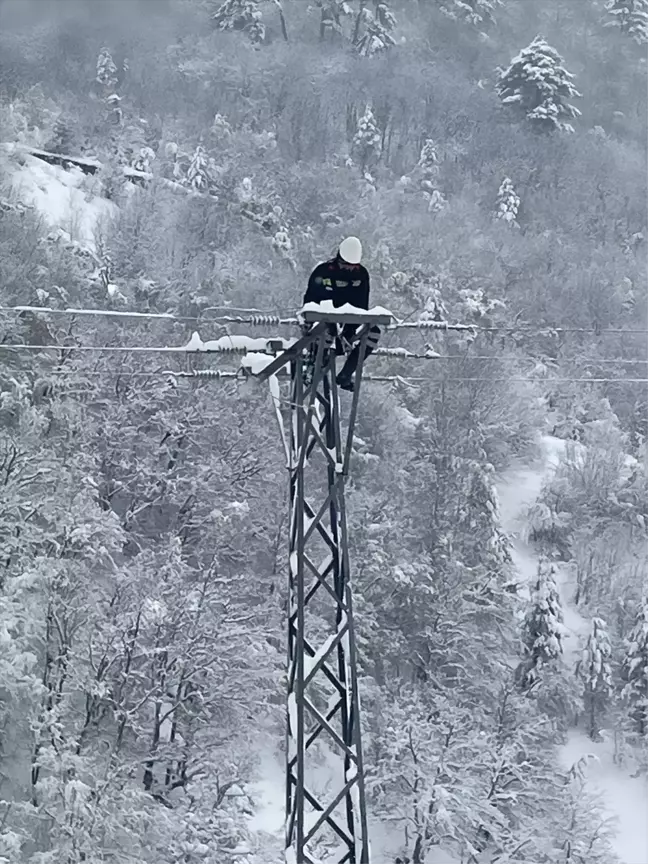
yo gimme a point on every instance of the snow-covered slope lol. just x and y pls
(56, 194)
(625, 796)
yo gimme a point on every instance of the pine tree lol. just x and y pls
(595, 671)
(106, 75)
(62, 137)
(428, 159)
(476, 12)
(380, 26)
(631, 17)
(427, 170)
(635, 670)
(242, 15)
(366, 144)
(537, 82)
(508, 202)
(542, 627)
(198, 171)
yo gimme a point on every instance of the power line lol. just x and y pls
(393, 353)
(228, 374)
(259, 317)
(429, 378)
(123, 349)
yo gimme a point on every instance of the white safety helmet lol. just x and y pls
(351, 250)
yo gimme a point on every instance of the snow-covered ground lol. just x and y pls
(57, 195)
(268, 794)
(625, 796)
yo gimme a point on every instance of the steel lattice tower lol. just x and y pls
(323, 703)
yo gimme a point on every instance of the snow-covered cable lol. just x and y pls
(254, 317)
(261, 318)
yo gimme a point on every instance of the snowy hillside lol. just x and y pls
(625, 795)
(477, 168)
(57, 195)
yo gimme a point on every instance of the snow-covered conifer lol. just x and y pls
(106, 75)
(379, 28)
(283, 245)
(428, 160)
(595, 671)
(115, 113)
(630, 16)
(241, 15)
(366, 145)
(542, 627)
(476, 12)
(635, 670)
(198, 171)
(537, 83)
(425, 175)
(62, 138)
(436, 201)
(508, 202)
(486, 545)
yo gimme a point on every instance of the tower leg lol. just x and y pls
(323, 701)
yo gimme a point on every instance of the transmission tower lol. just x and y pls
(323, 704)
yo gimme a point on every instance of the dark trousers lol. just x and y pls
(351, 363)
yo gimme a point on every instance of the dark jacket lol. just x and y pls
(340, 282)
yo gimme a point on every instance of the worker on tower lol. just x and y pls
(344, 280)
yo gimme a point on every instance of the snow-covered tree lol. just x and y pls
(198, 172)
(508, 202)
(283, 245)
(542, 627)
(379, 28)
(595, 671)
(537, 83)
(142, 162)
(106, 75)
(424, 177)
(258, 208)
(485, 545)
(422, 290)
(631, 17)
(242, 15)
(635, 670)
(583, 832)
(476, 12)
(62, 137)
(366, 145)
(428, 161)
(220, 128)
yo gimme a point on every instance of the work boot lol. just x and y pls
(345, 383)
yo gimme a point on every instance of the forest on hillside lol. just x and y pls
(491, 154)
